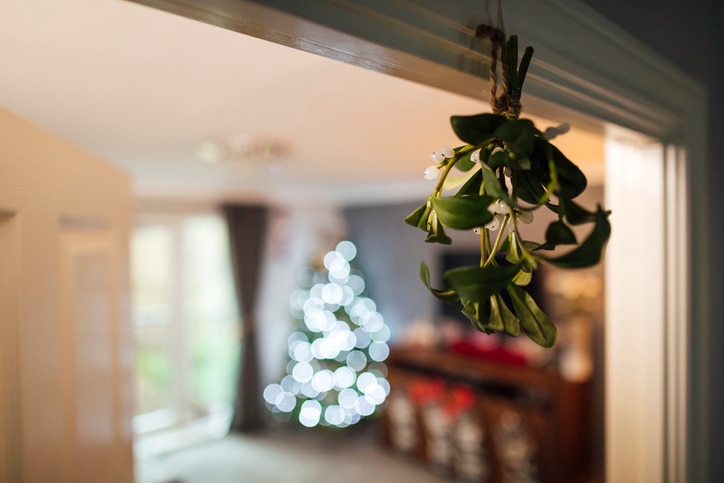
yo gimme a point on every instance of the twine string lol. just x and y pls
(503, 103)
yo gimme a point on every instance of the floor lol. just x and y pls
(287, 455)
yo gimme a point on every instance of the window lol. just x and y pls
(185, 322)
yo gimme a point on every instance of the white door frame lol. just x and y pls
(586, 70)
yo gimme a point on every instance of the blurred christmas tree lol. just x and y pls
(336, 372)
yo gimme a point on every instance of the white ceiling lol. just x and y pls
(143, 88)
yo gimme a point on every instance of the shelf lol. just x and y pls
(553, 413)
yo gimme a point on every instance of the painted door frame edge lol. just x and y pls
(10, 406)
(614, 80)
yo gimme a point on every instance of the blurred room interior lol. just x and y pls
(205, 121)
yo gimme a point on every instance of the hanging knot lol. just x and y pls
(504, 103)
(507, 106)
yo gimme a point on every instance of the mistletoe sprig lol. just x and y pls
(510, 170)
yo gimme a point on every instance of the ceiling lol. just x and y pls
(145, 90)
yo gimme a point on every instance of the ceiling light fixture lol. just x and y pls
(242, 150)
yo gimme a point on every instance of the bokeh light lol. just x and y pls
(336, 372)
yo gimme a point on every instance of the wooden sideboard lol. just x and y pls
(478, 420)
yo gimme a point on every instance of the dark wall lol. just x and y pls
(691, 35)
(389, 254)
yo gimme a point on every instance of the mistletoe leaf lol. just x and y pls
(558, 233)
(436, 233)
(478, 312)
(478, 129)
(497, 159)
(471, 183)
(493, 187)
(522, 71)
(519, 136)
(575, 213)
(464, 163)
(529, 187)
(518, 163)
(478, 284)
(448, 296)
(463, 212)
(589, 252)
(501, 318)
(571, 180)
(537, 326)
(523, 278)
(539, 160)
(419, 217)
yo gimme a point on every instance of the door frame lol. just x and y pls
(614, 81)
(10, 404)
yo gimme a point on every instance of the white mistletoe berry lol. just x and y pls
(495, 223)
(432, 172)
(525, 217)
(447, 152)
(437, 157)
(499, 207)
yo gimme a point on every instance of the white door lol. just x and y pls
(65, 366)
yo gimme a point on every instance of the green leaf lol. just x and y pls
(501, 318)
(472, 185)
(493, 187)
(589, 252)
(419, 217)
(464, 163)
(519, 136)
(514, 162)
(511, 246)
(477, 313)
(478, 129)
(498, 159)
(522, 71)
(478, 284)
(535, 323)
(436, 233)
(558, 233)
(571, 180)
(448, 296)
(515, 256)
(523, 278)
(574, 213)
(426, 219)
(463, 212)
(528, 187)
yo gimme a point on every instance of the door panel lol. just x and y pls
(90, 326)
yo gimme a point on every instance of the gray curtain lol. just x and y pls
(247, 236)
